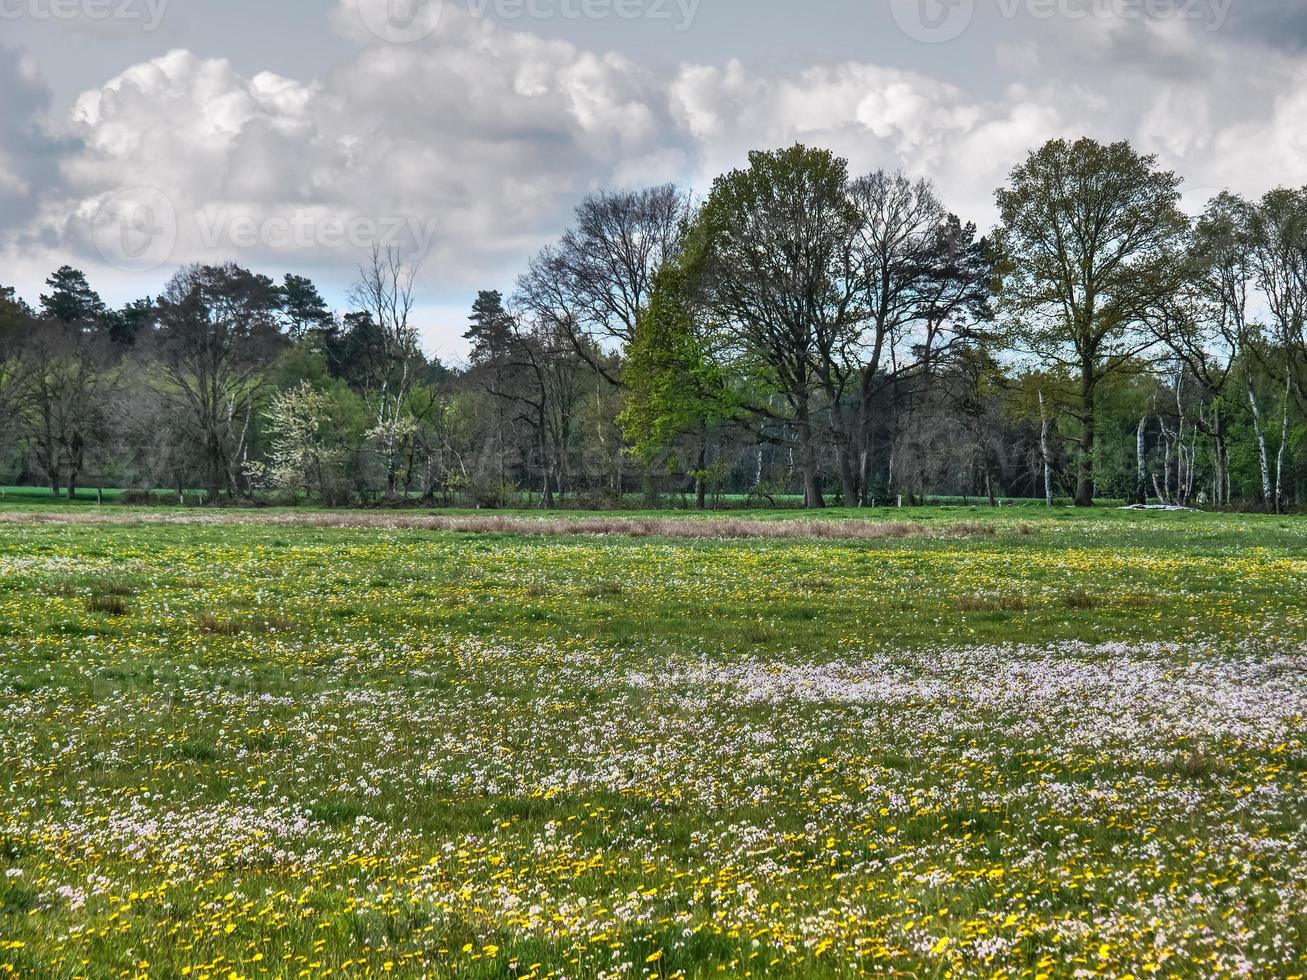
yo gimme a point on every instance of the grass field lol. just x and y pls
(1027, 743)
(13, 497)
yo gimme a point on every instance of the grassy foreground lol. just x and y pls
(1057, 745)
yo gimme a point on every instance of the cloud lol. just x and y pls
(1217, 107)
(486, 137)
(1278, 24)
(491, 136)
(876, 117)
(27, 153)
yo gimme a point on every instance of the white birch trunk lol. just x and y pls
(1259, 434)
(1045, 450)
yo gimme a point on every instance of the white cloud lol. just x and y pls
(488, 134)
(874, 116)
(495, 134)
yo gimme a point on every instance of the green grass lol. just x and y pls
(27, 496)
(15, 497)
(1074, 745)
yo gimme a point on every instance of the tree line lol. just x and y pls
(800, 334)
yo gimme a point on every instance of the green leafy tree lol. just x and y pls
(302, 307)
(129, 324)
(71, 299)
(491, 329)
(676, 388)
(1089, 242)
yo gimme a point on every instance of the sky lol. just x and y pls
(137, 136)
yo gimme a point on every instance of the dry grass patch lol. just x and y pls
(993, 604)
(632, 527)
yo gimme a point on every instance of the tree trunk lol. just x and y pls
(217, 470)
(812, 495)
(846, 440)
(76, 454)
(1284, 444)
(548, 493)
(701, 479)
(1167, 454)
(864, 476)
(813, 498)
(1222, 472)
(1046, 449)
(48, 460)
(1085, 483)
(1141, 461)
(849, 483)
(1263, 457)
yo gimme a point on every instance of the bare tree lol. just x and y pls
(897, 222)
(217, 334)
(63, 397)
(15, 326)
(1279, 259)
(385, 293)
(590, 287)
(1205, 325)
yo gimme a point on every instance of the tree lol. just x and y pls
(776, 238)
(897, 222)
(591, 286)
(1088, 241)
(302, 306)
(1206, 327)
(675, 387)
(1278, 235)
(64, 389)
(541, 379)
(15, 330)
(72, 300)
(305, 454)
(355, 350)
(491, 328)
(492, 333)
(129, 324)
(384, 292)
(217, 334)
(1032, 397)
(922, 279)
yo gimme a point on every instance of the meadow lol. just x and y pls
(1021, 743)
